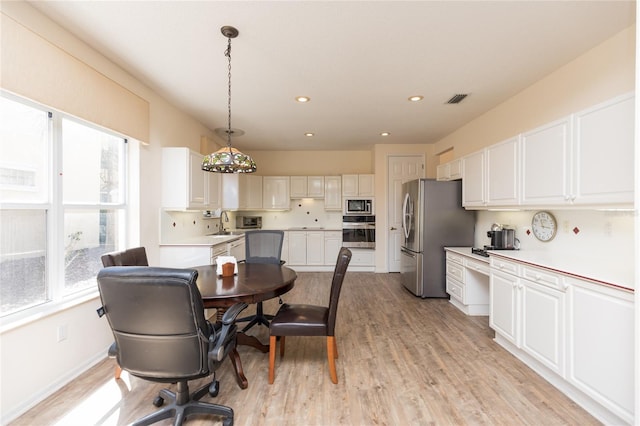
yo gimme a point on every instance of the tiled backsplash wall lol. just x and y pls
(304, 212)
(588, 233)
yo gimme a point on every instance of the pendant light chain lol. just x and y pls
(228, 159)
(227, 53)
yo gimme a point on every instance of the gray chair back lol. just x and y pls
(263, 246)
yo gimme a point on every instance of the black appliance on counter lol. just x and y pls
(248, 222)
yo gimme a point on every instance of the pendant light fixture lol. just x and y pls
(229, 159)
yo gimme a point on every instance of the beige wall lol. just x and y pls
(601, 73)
(310, 163)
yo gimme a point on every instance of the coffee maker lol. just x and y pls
(501, 238)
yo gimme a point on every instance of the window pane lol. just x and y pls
(88, 235)
(24, 155)
(93, 165)
(23, 272)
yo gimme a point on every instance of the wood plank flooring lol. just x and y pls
(402, 361)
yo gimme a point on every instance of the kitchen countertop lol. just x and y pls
(466, 251)
(204, 240)
(609, 272)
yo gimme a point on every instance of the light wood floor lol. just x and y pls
(402, 361)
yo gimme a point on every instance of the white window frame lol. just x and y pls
(56, 300)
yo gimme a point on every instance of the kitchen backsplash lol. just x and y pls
(592, 234)
(305, 212)
(176, 226)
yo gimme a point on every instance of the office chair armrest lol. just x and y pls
(232, 313)
(220, 340)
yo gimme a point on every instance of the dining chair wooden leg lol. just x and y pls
(117, 372)
(272, 358)
(332, 353)
(281, 346)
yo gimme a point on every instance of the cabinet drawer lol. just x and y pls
(455, 289)
(504, 265)
(454, 257)
(480, 267)
(541, 276)
(456, 271)
(333, 234)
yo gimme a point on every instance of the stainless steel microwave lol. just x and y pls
(358, 206)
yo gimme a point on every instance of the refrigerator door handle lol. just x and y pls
(407, 252)
(406, 215)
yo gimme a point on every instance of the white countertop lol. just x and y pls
(204, 240)
(608, 272)
(466, 251)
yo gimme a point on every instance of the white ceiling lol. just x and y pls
(359, 61)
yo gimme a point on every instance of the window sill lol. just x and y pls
(36, 313)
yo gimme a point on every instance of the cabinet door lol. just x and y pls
(365, 186)
(332, 193)
(214, 200)
(315, 248)
(455, 169)
(332, 245)
(298, 186)
(350, 185)
(297, 248)
(503, 173)
(546, 166)
(315, 186)
(600, 334)
(276, 192)
(473, 180)
(443, 171)
(197, 181)
(603, 153)
(542, 319)
(250, 192)
(503, 293)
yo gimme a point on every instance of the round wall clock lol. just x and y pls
(544, 226)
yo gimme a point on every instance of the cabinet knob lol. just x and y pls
(393, 228)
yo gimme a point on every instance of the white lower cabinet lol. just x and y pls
(600, 345)
(306, 248)
(577, 334)
(332, 245)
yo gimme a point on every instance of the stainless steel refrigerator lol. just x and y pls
(432, 218)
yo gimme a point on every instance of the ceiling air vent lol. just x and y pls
(456, 99)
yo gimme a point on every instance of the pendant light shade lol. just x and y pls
(229, 159)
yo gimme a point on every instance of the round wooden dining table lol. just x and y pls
(253, 283)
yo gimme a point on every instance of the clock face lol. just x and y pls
(544, 226)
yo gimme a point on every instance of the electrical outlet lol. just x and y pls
(62, 332)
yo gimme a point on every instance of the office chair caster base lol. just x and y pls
(158, 401)
(214, 388)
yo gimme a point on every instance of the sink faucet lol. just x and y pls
(224, 215)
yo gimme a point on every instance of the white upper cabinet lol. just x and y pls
(449, 171)
(307, 186)
(241, 191)
(275, 192)
(603, 153)
(333, 193)
(358, 185)
(473, 180)
(546, 165)
(185, 185)
(502, 174)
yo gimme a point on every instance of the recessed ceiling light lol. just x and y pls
(385, 134)
(303, 99)
(416, 98)
(309, 134)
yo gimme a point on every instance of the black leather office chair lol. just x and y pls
(310, 320)
(264, 246)
(161, 334)
(136, 256)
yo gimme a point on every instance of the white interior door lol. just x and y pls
(401, 168)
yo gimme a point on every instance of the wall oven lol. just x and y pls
(359, 231)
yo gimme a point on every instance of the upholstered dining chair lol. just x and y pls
(161, 334)
(310, 320)
(136, 256)
(262, 246)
